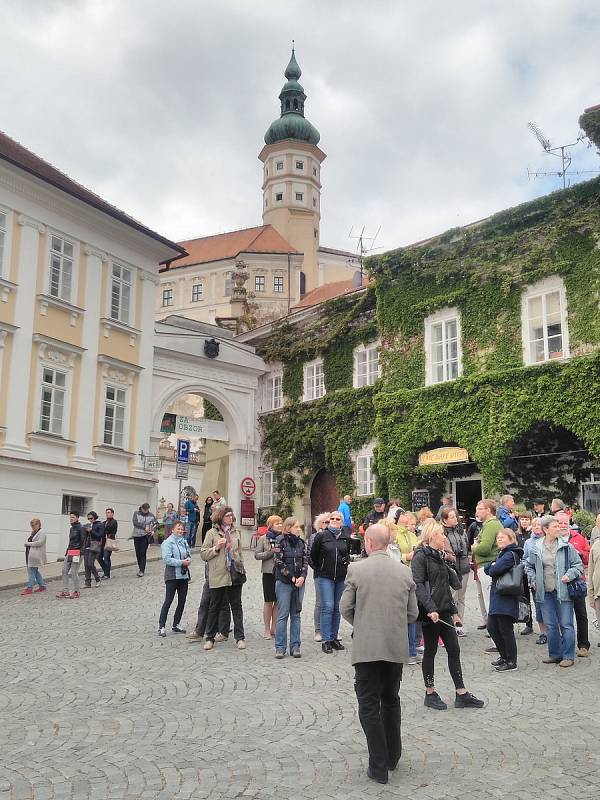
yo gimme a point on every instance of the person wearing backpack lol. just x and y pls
(503, 610)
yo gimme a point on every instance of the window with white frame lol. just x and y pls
(314, 381)
(366, 365)
(544, 323)
(52, 407)
(443, 352)
(270, 496)
(259, 283)
(167, 298)
(228, 284)
(197, 293)
(274, 392)
(3, 238)
(365, 477)
(115, 407)
(61, 268)
(120, 294)
(278, 284)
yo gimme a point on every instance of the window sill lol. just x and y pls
(113, 324)
(6, 287)
(52, 438)
(46, 300)
(113, 451)
(560, 360)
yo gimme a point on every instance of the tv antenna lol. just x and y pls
(364, 245)
(560, 151)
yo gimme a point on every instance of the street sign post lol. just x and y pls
(183, 465)
(248, 486)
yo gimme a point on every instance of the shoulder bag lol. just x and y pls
(511, 582)
(578, 587)
(111, 545)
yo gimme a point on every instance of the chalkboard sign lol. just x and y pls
(420, 499)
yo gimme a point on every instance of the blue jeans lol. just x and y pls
(35, 576)
(412, 639)
(558, 616)
(284, 593)
(331, 592)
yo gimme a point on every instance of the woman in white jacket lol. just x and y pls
(35, 556)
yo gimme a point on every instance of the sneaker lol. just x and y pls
(583, 652)
(162, 632)
(177, 629)
(412, 660)
(337, 645)
(74, 596)
(491, 650)
(467, 700)
(140, 574)
(194, 636)
(551, 660)
(460, 631)
(105, 578)
(566, 662)
(63, 595)
(279, 654)
(433, 700)
(498, 662)
(542, 639)
(220, 638)
(327, 648)
(209, 644)
(40, 589)
(241, 645)
(296, 653)
(508, 665)
(26, 592)
(421, 648)
(482, 627)
(318, 637)
(527, 631)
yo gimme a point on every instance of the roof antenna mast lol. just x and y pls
(364, 246)
(560, 151)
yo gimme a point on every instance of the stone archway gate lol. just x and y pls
(229, 380)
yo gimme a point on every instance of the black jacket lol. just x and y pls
(290, 559)
(110, 528)
(330, 554)
(76, 537)
(460, 547)
(434, 577)
(373, 517)
(93, 534)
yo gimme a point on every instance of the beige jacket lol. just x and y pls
(593, 576)
(218, 575)
(37, 550)
(264, 553)
(379, 600)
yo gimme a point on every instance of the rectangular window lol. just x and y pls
(120, 296)
(259, 283)
(279, 197)
(545, 327)
(314, 382)
(365, 479)
(61, 268)
(275, 391)
(299, 197)
(444, 351)
(366, 366)
(228, 284)
(278, 284)
(270, 497)
(197, 293)
(299, 164)
(72, 503)
(279, 165)
(53, 401)
(115, 404)
(167, 297)
(3, 237)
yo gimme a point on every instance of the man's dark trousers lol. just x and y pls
(377, 687)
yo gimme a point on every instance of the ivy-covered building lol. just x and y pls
(470, 365)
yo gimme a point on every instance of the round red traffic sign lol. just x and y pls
(248, 487)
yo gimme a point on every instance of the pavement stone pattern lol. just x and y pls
(93, 704)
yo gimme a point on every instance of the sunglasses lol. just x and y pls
(338, 519)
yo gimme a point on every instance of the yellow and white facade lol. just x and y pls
(77, 295)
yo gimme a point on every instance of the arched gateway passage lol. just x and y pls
(228, 378)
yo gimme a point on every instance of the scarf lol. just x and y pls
(226, 529)
(272, 535)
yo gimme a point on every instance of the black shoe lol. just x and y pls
(374, 778)
(433, 700)
(498, 662)
(542, 639)
(482, 627)
(527, 630)
(327, 648)
(508, 665)
(467, 700)
(337, 645)
(491, 650)
(177, 629)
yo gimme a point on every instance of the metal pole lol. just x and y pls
(179, 500)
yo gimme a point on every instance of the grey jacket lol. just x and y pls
(264, 553)
(37, 550)
(143, 521)
(535, 568)
(379, 600)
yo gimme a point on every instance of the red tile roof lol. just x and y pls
(328, 291)
(21, 157)
(263, 239)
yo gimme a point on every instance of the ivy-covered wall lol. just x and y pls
(482, 270)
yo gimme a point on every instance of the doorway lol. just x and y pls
(323, 493)
(467, 493)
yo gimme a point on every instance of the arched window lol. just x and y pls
(302, 283)
(287, 105)
(295, 105)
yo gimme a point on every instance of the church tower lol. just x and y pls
(292, 176)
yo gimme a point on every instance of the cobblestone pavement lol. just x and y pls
(94, 705)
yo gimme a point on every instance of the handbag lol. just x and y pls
(238, 573)
(510, 583)
(95, 546)
(578, 587)
(111, 545)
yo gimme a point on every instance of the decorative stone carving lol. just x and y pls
(23, 220)
(93, 251)
(239, 276)
(55, 357)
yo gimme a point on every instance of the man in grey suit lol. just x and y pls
(379, 600)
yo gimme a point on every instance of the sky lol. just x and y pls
(161, 106)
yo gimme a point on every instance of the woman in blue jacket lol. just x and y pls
(504, 609)
(176, 555)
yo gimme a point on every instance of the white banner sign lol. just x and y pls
(202, 428)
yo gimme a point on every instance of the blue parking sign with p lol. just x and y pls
(183, 451)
